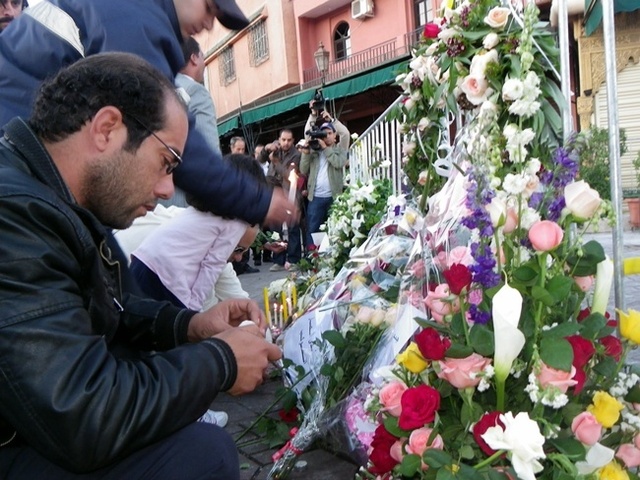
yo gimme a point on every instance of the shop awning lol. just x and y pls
(593, 12)
(228, 125)
(345, 88)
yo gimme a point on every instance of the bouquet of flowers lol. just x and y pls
(517, 371)
(337, 339)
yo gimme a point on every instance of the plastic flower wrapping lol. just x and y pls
(333, 345)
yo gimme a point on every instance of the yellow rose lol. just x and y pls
(605, 408)
(613, 471)
(412, 359)
(630, 325)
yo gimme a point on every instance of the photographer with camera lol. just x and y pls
(284, 157)
(323, 159)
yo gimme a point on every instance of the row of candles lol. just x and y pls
(279, 312)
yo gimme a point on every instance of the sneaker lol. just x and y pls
(249, 269)
(215, 418)
(276, 268)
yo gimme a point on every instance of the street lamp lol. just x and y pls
(321, 57)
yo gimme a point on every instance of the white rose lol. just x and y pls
(423, 123)
(582, 200)
(512, 89)
(490, 41)
(497, 211)
(497, 17)
(479, 62)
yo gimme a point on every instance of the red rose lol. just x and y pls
(458, 277)
(431, 345)
(380, 454)
(289, 415)
(583, 350)
(585, 312)
(612, 346)
(431, 30)
(419, 406)
(487, 421)
(581, 378)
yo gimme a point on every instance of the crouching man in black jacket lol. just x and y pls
(93, 381)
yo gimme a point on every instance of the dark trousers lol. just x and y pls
(199, 451)
(150, 283)
(317, 214)
(293, 254)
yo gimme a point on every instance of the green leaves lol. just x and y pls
(585, 262)
(556, 353)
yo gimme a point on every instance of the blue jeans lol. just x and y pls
(200, 451)
(150, 284)
(317, 214)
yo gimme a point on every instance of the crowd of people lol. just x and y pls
(122, 316)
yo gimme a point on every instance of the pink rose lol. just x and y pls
(584, 283)
(550, 377)
(415, 299)
(511, 222)
(439, 307)
(475, 297)
(461, 255)
(396, 451)
(497, 17)
(418, 441)
(463, 372)
(628, 453)
(545, 235)
(586, 428)
(476, 88)
(418, 269)
(390, 396)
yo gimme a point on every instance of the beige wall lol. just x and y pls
(278, 72)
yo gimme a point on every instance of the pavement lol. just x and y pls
(255, 458)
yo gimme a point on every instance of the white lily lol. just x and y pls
(604, 277)
(508, 339)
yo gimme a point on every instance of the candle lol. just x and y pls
(275, 314)
(284, 306)
(280, 322)
(294, 298)
(267, 313)
(293, 184)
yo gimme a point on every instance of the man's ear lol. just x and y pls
(193, 59)
(107, 127)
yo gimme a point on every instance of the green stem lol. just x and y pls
(490, 460)
(542, 260)
(268, 409)
(425, 191)
(465, 326)
(500, 384)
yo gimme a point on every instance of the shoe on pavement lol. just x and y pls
(250, 269)
(257, 263)
(276, 268)
(215, 418)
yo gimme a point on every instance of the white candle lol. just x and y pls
(293, 185)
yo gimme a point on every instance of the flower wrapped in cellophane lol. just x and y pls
(333, 345)
(516, 371)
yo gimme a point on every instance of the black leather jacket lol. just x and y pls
(87, 376)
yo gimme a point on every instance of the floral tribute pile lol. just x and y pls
(501, 362)
(517, 371)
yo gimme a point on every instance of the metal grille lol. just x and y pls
(258, 44)
(227, 66)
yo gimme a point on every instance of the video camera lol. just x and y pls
(314, 134)
(319, 103)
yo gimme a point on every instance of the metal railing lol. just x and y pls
(377, 153)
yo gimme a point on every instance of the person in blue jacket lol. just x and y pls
(56, 33)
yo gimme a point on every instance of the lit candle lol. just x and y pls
(293, 184)
(280, 322)
(267, 313)
(275, 314)
(284, 306)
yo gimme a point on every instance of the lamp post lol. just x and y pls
(321, 56)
